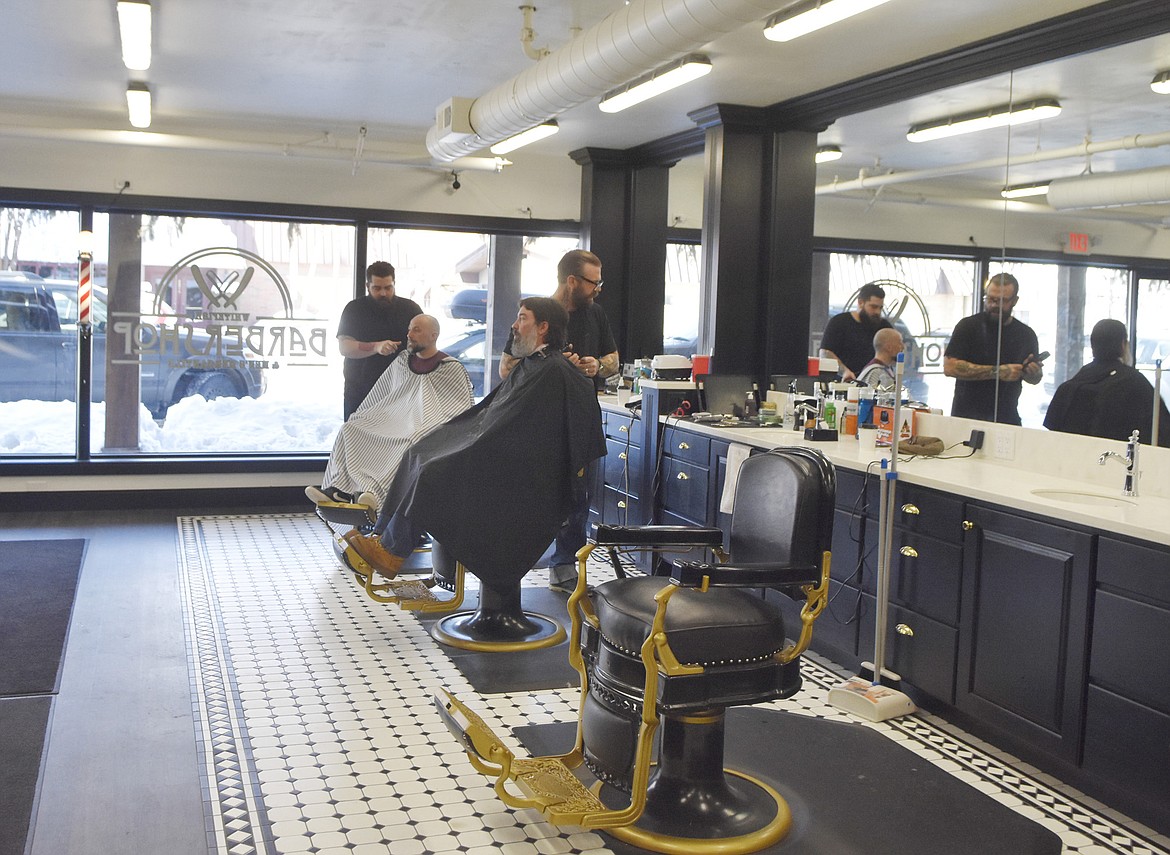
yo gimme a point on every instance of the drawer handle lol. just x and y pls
(902, 629)
(682, 446)
(968, 525)
(909, 551)
(910, 509)
(622, 456)
(622, 505)
(682, 476)
(624, 429)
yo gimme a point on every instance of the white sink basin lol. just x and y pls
(1081, 497)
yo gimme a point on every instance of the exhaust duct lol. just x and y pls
(630, 42)
(1111, 190)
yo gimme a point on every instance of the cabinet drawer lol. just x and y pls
(621, 508)
(922, 651)
(684, 488)
(921, 509)
(1145, 570)
(621, 427)
(686, 446)
(1128, 745)
(1130, 640)
(623, 465)
(925, 575)
(848, 534)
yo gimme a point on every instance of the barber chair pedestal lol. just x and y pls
(498, 624)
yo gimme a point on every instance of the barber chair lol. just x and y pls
(678, 652)
(409, 593)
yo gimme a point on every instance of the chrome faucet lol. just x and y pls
(1130, 459)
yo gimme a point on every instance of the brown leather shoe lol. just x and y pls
(371, 550)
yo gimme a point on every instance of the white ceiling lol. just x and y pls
(306, 75)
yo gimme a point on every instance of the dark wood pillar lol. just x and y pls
(623, 220)
(757, 241)
(124, 281)
(503, 289)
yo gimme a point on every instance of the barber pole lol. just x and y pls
(84, 288)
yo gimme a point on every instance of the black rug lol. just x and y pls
(521, 670)
(22, 737)
(852, 791)
(38, 579)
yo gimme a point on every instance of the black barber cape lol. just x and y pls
(494, 484)
(1110, 399)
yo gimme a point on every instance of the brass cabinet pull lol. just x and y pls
(968, 525)
(910, 509)
(624, 429)
(622, 456)
(682, 476)
(682, 446)
(909, 551)
(622, 505)
(902, 629)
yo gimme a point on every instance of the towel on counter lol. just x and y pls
(737, 453)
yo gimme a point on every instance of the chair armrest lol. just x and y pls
(666, 536)
(690, 574)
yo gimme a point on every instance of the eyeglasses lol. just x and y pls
(596, 283)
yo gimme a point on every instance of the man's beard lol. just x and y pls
(580, 300)
(413, 346)
(524, 346)
(870, 322)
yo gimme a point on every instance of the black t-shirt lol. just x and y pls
(365, 319)
(974, 340)
(851, 340)
(1109, 399)
(588, 334)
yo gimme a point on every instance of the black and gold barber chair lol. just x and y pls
(679, 651)
(413, 592)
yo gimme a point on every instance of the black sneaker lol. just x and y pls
(568, 586)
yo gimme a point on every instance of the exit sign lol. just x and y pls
(1077, 243)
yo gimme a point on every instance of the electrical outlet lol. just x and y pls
(1005, 445)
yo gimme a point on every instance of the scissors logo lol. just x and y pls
(216, 290)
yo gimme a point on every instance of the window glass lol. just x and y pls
(38, 331)
(1153, 330)
(220, 334)
(680, 314)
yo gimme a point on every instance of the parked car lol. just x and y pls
(38, 351)
(468, 346)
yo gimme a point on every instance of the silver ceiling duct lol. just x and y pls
(1110, 190)
(632, 41)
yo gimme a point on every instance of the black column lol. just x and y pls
(623, 220)
(503, 289)
(759, 200)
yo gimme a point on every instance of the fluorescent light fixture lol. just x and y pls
(802, 18)
(138, 103)
(134, 27)
(980, 120)
(828, 153)
(690, 67)
(1161, 83)
(544, 129)
(1023, 191)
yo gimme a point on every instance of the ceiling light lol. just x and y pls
(828, 153)
(995, 117)
(138, 103)
(545, 129)
(801, 18)
(1023, 191)
(1161, 83)
(690, 67)
(134, 27)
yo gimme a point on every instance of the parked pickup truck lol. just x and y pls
(38, 352)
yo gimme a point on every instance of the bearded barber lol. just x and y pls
(849, 336)
(591, 347)
(371, 333)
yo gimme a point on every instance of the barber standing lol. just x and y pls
(371, 332)
(591, 347)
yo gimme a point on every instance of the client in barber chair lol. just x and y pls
(412, 396)
(494, 484)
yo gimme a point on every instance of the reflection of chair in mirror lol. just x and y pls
(413, 593)
(797, 383)
(680, 651)
(725, 393)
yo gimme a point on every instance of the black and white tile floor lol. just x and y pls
(317, 732)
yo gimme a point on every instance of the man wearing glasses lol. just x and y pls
(591, 347)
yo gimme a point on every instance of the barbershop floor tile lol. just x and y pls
(317, 734)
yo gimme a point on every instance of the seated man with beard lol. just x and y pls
(494, 484)
(414, 394)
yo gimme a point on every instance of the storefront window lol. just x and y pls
(1153, 330)
(680, 314)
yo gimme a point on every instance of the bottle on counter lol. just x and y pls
(830, 414)
(848, 419)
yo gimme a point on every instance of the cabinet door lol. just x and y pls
(1022, 652)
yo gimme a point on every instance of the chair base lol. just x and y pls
(741, 814)
(498, 625)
